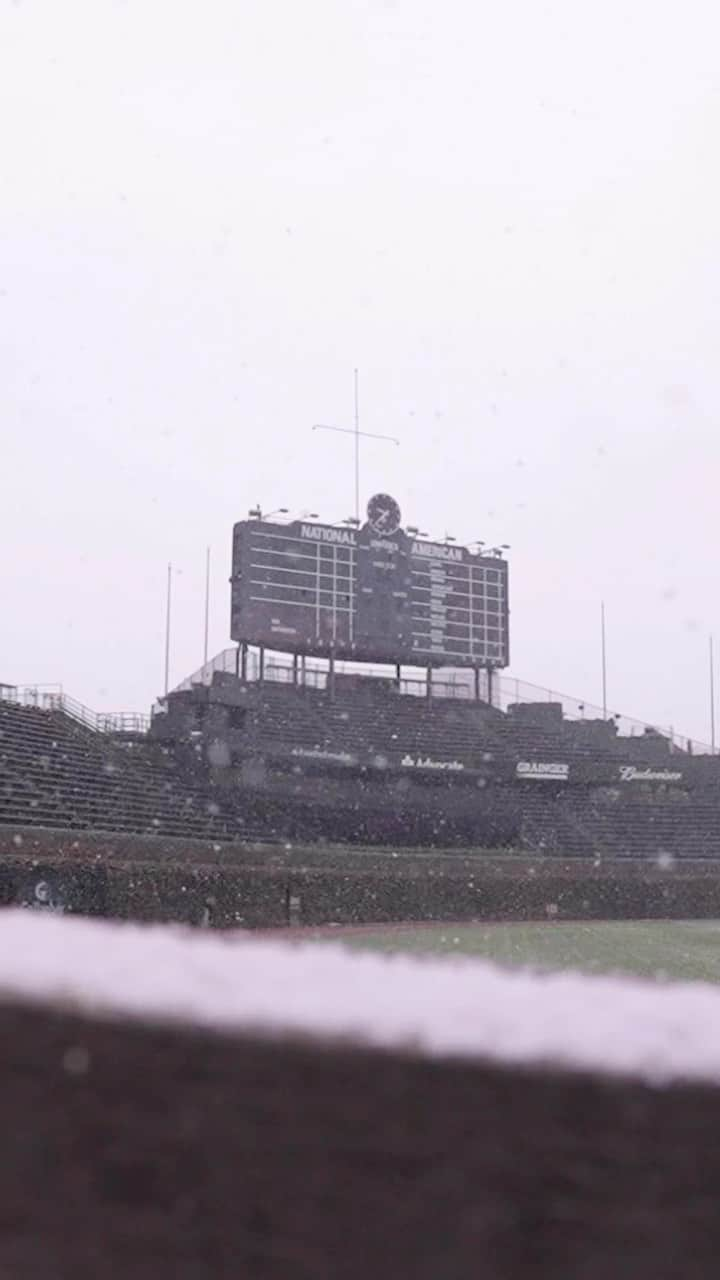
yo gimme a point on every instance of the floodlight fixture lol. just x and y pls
(257, 513)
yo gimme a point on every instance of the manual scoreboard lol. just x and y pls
(373, 594)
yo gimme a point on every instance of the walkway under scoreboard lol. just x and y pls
(374, 594)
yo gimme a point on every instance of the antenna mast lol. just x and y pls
(358, 434)
(357, 446)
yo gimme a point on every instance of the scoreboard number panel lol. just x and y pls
(374, 594)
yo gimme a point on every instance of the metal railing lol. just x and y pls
(280, 670)
(447, 683)
(52, 698)
(510, 691)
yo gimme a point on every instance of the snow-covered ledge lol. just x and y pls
(185, 1105)
(442, 1009)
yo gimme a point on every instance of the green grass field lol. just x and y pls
(683, 950)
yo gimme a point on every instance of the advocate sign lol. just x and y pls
(542, 771)
(425, 762)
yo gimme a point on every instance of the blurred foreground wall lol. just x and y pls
(135, 1151)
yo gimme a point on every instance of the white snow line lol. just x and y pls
(458, 1008)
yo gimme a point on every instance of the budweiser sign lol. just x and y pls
(629, 773)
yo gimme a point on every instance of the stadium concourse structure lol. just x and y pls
(368, 762)
(292, 781)
(263, 802)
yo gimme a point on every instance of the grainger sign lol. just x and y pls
(542, 770)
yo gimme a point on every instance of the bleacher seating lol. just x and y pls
(54, 772)
(633, 826)
(369, 719)
(381, 723)
(190, 776)
(660, 828)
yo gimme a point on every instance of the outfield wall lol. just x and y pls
(231, 885)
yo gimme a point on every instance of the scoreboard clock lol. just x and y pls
(383, 514)
(374, 593)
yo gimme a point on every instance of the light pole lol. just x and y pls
(712, 698)
(167, 627)
(603, 657)
(207, 604)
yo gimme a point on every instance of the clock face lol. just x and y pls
(383, 514)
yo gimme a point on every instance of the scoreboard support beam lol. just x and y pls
(261, 664)
(490, 670)
(428, 683)
(241, 661)
(295, 670)
(477, 684)
(331, 675)
(398, 675)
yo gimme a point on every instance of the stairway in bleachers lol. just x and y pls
(552, 828)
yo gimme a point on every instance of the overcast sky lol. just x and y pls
(505, 214)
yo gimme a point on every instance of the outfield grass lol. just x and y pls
(664, 949)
